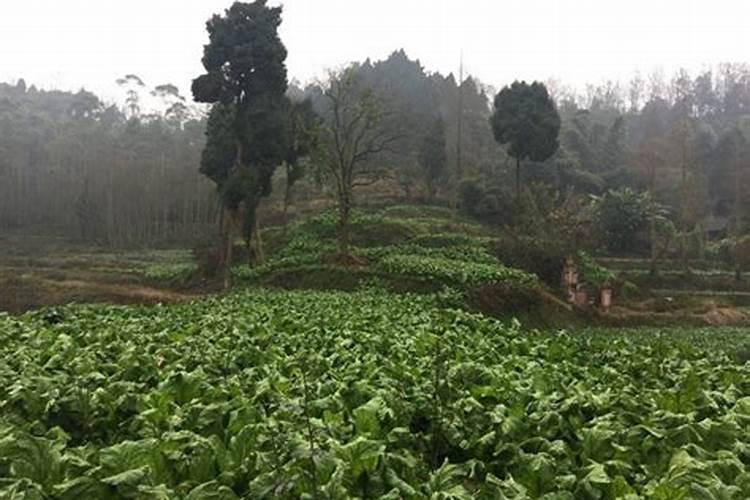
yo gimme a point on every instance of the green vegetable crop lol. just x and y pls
(265, 394)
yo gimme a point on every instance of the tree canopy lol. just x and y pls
(526, 120)
(432, 156)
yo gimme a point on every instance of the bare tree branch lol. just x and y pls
(356, 133)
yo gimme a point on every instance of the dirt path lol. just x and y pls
(22, 292)
(716, 316)
(136, 293)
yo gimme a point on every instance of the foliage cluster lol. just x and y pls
(593, 272)
(538, 256)
(180, 272)
(451, 271)
(622, 218)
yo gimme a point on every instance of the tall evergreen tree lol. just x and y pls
(246, 81)
(526, 120)
(432, 156)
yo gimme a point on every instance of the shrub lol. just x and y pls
(720, 251)
(540, 257)
(172, 273)
(470, 193)
(380, 231)
(252, 274)
(629, 291)
(492, 205)
(366, 229)
(621, 215)
(743, 353)
(740, 252)
(451, 271)
(593, 272)
(418, 211)
(488, 208)
(469, 254)
(441, 240)
(507, 297)
(206, 256)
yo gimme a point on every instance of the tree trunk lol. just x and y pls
(653, 271)
(737, 205)
(249, 251)
(251, 232)
(110, 223)
(287, 199)
(684, 249)
(407, 190)
(684, 201)
(225, 248)
(229, 247)
(260, 256)
(460, 122)
(518, 183)
(431, 190)
(654, 250)
(344, 216)
(248, 236)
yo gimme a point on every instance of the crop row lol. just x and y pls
(266, 394)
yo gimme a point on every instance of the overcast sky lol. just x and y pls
(72, 43)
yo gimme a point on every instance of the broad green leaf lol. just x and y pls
(211, 491)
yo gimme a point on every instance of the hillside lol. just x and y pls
(381, 374)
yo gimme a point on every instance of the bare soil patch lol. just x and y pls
(346, 260)
(37, 272)
(23, 292)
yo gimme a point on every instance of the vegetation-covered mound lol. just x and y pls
(427, 249)
(273, 394)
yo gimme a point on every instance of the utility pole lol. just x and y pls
(460, 124)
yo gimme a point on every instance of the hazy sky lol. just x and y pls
(72, 43)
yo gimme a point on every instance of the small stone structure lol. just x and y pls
(581, 297)
(570, 279)
(576, 291)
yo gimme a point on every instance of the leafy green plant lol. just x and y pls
(451, 271)
(622, 214)
(595, 273)
(541, 257)
(169, 272)
(273, 394)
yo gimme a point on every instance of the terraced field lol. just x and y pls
(35, 272)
